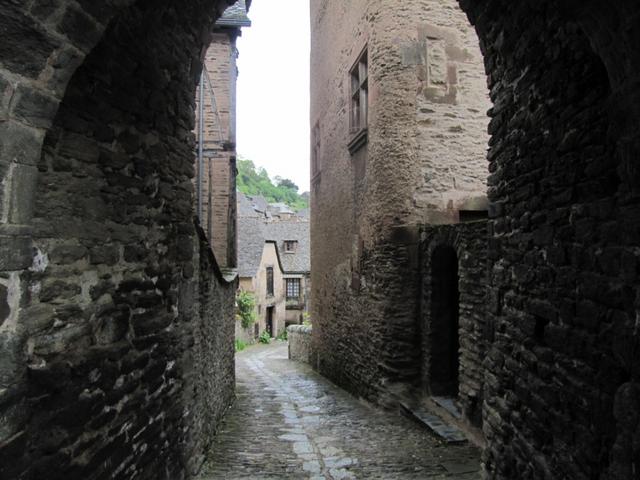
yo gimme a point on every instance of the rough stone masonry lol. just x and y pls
(560, 367)
(104, 371)
(116, 328)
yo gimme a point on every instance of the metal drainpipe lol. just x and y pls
(200, 144)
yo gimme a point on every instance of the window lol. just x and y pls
(290, 246)
(359, 102)
(293, 288)
(270, 281)
(315, 151)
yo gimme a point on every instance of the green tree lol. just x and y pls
(286, 183)
(254, 180)
(246, 302)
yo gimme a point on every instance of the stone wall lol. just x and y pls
(299, 338)
(562, 363)
(424, 160)
(563, 299)
(210, 353)
(219, 200)
(469, 242)
(219, 168)
(116, 356)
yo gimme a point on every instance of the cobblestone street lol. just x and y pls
(289, 422)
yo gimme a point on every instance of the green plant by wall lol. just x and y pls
(283, 336)
(265, 337)
(246, 302)
(240, 345)
(306, 319)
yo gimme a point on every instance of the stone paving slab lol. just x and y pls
(290, 423)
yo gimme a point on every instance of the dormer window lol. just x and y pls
(290, 246)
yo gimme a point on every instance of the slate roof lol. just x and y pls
(280, 231)
(246, 206)
(255, 227)
(278, 208)
(251, 240)
(236, 15)
(260, 203)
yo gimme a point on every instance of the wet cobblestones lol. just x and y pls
(289, 422)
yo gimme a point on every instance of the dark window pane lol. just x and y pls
(269, 280)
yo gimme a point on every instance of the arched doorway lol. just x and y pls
(444, 337)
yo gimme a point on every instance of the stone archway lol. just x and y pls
(562, 249)
(562, 218)
(453, 324)
(115, 307)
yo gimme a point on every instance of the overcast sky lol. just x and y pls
(273, 89)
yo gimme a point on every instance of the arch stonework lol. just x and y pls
(561, 375)
(563, 283)
(111, 302)
(468, 241)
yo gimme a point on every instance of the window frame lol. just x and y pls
(298, 286)
(359, 101)
(270, 282)
(290, 243)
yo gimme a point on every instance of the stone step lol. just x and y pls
(450, 405)
(447, 433)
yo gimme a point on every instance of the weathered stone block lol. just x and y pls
(63, 66)
(26, 46)
(299, 337)
(65, 254)
(37, 317)
(6, 93)
(5, 310)
(11, 371)
(107, 254)
(15, 252)
(113, 328)
(150, 323)
(79, 28)
(71, 336)
(22, 181)
(53, 288)
(19, 143)
(34, 107)
(43, 9)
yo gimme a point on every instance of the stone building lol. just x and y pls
(216, 134)
(261, 273)
(399, 102)
(525, 318)
(111, 302)
(267, 240)
(291, 235)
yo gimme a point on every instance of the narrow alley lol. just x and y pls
(289, 422)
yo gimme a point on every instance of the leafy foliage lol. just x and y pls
(246, 302)
(240, 345)
(265, 337)
(256, 181)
